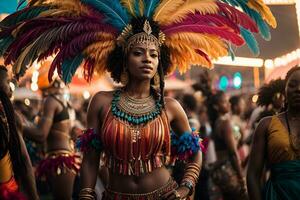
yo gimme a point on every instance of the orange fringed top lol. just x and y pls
(135, 150)
(279, 147)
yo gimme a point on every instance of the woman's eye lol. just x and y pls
(137, 53)
(154, 55)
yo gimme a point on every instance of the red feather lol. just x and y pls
(76, 46)
(201, 53)
(238, 17)
(88, 69)
(212, 19)
(222, 32)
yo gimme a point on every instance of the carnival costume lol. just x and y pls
(59, 161)
(135, 134)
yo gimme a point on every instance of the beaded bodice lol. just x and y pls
(135, 149)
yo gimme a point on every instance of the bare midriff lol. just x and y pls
(139, 184)
(59, 137)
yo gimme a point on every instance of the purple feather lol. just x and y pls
(76, 46)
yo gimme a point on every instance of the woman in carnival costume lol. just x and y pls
(61, 163)
(138, 42)
(276, 138)
(15, 166)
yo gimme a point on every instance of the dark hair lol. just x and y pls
(211, 111)
(204, 84)
(189, 102)
(267, 92)
(9, 137)
(117, 59)
(234, 101)
(290, 72)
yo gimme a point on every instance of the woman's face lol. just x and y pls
(223, 104)
(5, 84)
(241, 106)
(292, 90)
(143, 61)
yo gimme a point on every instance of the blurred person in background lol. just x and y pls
(61, 163)
(226, 172)
(271, 97)
(276, 144)
(15, 166)
(239, 126)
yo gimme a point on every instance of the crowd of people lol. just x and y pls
(136, 142)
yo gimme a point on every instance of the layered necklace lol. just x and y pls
(135, 111)
(294, 139)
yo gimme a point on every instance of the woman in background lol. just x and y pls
(276, 144)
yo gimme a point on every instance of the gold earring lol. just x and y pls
(156, 80)
(124, 78)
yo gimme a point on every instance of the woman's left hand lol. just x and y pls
(179, 194)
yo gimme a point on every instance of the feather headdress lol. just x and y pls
(84, 32)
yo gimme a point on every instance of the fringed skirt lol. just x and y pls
(57, 163)
(10, 191)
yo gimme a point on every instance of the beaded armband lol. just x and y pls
(89, 140)
(186, 145)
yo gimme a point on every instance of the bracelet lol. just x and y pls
(189, 185)
(87, 194)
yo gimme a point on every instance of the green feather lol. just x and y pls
(70, 66)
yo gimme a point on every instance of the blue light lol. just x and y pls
(223, 83)
(237, 80)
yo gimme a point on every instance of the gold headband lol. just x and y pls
(127, 41)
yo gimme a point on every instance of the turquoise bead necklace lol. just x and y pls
(130, 118)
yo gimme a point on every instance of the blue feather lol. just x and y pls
(150, 6)
(250, 40)
(115, 13)
(262, 26)
(5, 43)
(70, 66)
(137, 8)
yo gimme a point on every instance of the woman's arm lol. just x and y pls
(39, 132)
(90, 162)
(226, 131)
(28, 179)
(179, 123)
(256, 158)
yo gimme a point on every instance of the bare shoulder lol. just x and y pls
(264, 123)
(171, 103)
(102, 99)
(173, 108)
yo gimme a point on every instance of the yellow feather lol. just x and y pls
(191, 6)
(99, 52)
(264, 10)
(165, 8)
(72, 6)
(129, 5)
(212, 45)
(141, 7)
(183, 56)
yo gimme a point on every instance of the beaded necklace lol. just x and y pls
(135, 111)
